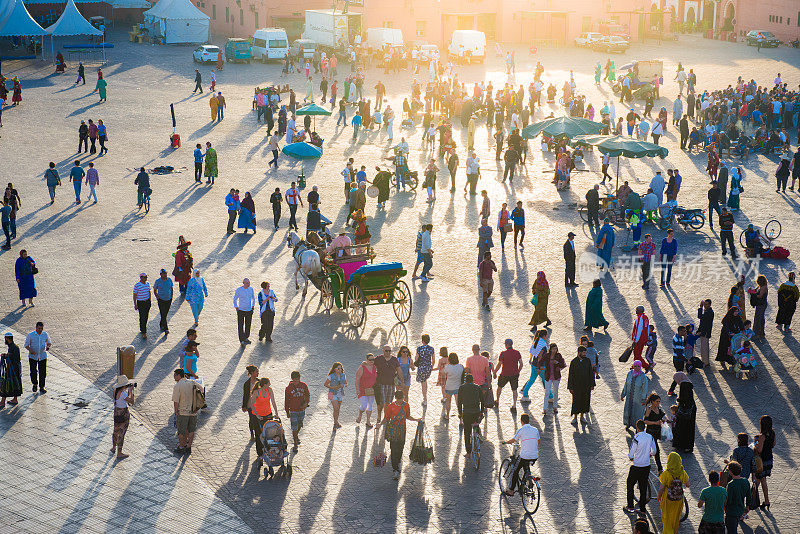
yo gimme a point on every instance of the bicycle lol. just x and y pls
(772, 231)
(476, 446)
(609, 207)
(145, 200)
(653, 483)
(529, 488)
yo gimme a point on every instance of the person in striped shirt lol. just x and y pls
(141, 302)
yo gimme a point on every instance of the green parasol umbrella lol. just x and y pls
(568, 127)
(313, 110)
(617, 145)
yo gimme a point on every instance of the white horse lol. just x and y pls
(306, 259)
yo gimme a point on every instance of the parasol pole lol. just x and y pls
(617, 175)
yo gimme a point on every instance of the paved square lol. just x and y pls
(89, 257)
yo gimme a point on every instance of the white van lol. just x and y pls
(270, 43)
(378, 37)
(468, 45)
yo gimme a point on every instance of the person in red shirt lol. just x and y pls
(509, 364)
(296, 400)
(485, 270)
(395, 418)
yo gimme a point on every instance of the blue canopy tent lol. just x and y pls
(17, 22)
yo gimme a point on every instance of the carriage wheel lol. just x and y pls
(773, 229)
(742, 240)
(401, 301)
(326, 296)
(356, 305)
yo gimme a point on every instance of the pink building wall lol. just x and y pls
(781, 17)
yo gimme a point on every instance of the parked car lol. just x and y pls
(770, 41)
(587, 38)
(238, 50)
(611, 43)
(206, 54)
(307, 46)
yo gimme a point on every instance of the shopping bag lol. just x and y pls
(421, 448)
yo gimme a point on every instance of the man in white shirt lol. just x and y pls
(642, 448)
(427, 254)
(657, 185)
(142, 302)
(38, 343)
(473, 165)
(292, 198)
(528, 439)
(244, 300)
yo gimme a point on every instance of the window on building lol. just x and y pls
(421, 28)
(586, 24)
(781, 20)
(227, 14)
(255, 17)
(798, 19)
(214, 11)
(388, 24)
(241, 17)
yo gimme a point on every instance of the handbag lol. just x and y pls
(34, 268)
(758, 464)
(626, 354)
(508, 227)
(535, 299)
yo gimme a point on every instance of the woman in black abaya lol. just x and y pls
(683, 433)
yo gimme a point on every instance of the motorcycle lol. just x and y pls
(693, 218)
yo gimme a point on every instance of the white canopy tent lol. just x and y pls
(72, 23)
(179, 21)
(15, 21)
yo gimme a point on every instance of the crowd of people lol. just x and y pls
(744, 118)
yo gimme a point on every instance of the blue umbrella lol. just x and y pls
(302, 150)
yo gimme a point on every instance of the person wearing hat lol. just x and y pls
(10, 372)
(162, 289)
(183, 264)
(142, 302)
(123, 396)
(569, 261)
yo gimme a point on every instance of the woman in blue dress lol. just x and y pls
(247, 215)
(736, 188)
(605, 244)
(406, 366)
(24, 269)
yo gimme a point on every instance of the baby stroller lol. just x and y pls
(276, 450)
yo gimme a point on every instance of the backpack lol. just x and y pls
(198, 398)
(675, 490)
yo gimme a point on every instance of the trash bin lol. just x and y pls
(175, 140)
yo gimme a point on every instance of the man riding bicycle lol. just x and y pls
(470, 409)
(143, 181)
(528, 439)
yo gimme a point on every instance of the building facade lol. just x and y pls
(546, 22)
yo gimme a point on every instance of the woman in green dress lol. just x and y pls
(101, 88)
(211, 164)
(611, 74)
(541, 293)
(594, 308)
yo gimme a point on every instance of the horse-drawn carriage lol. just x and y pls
(348, 279)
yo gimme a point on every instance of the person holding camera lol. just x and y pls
(123, 397)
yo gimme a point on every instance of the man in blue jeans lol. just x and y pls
(198, 163)
(669, 249)
(427, 254)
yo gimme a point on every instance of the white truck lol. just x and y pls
(331, 29)
(378, 37)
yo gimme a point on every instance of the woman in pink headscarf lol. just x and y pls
(541, 293)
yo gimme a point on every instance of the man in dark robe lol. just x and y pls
(580, 383)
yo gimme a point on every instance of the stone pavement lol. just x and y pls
(90, 256)
(58, 475)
